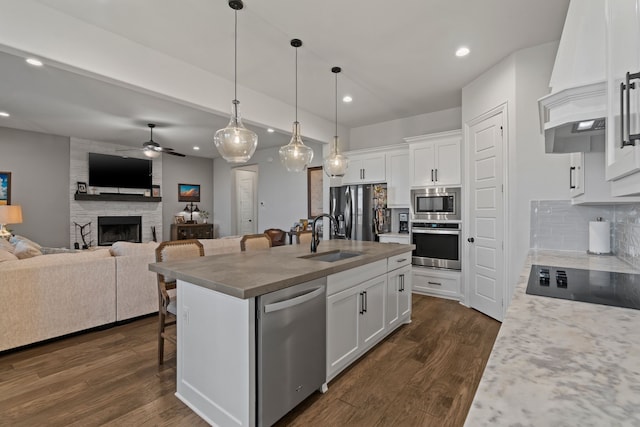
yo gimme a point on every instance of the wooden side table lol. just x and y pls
(191, 231)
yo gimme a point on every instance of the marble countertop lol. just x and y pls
(253, 273)
(562, 363)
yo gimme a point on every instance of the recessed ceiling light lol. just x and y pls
(270, 130)
(196, 148)
(35, 62)
(463, 51)
(4, 114)
(347, 98)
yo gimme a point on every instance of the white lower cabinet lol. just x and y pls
(398, 295)
(357, 310)
(441, 283)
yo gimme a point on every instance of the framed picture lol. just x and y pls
(5, 188)
(314, 191)
(155, 191)
(188, 192)
(179, 219)
(82, 187)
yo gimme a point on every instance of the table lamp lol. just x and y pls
(9, 214)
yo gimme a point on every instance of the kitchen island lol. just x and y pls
(559, 362)
(368, 295)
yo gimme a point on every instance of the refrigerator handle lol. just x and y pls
(348, 214)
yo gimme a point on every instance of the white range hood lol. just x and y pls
(578, 95)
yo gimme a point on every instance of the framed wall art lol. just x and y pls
(188, 192)
(314, 191)
(5, 188)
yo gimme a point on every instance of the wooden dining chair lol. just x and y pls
(304, 237)
(250, 242)
(277, 236)
(174, 250)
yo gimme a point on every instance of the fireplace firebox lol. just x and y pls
(113, 229)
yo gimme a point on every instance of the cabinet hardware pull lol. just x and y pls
(571, 184)
(431, 175)
(401, 260)
(625, 128)
(436, 175)
(435, 283)
(366, 303)
(361, 303)
(402, 283)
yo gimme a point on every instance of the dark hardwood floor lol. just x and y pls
(424, 374)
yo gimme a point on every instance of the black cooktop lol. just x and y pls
(597, 287)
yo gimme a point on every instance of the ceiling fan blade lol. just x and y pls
(174, 153)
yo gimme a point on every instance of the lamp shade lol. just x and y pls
(10, 214)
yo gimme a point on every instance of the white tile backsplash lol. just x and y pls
(559, 225)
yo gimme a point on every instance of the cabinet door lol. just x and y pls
(393, 296)
(353, 174)
(623, 56)
(374, 168)
(404, 293)
(447, 163)
(343, 312)
(398, 179)
(576, 174)
(372, 324)
(422, 167)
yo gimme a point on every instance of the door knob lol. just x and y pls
(471, 240)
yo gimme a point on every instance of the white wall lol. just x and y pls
(39, 166)
(284, 193)
(519, 80)
(392, 132)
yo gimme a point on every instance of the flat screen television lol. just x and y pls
(120, 172)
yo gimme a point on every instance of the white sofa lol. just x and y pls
(48, 296)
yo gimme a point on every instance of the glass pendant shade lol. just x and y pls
(235, 143)
(335, 164)
(295, 156)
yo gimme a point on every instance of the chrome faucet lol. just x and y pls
(315, 240)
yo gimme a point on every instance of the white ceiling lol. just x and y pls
(397, 59)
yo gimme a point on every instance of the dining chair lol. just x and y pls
(277, 236)
(250, 242)
(304, 237)
(174, 250)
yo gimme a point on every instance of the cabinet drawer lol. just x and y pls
(435, 282)
(398, 261)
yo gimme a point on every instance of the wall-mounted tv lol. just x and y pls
(120, 172)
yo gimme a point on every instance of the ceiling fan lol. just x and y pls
(152, 149)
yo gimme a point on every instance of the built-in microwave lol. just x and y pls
(435, 204)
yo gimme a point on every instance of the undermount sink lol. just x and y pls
(331, 256)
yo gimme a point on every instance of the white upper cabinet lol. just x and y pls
(434, 160)
(623, 85)
(398, 178)
(365, 168)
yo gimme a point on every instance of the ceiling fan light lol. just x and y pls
(235, 143)
(151, 153)
(295, 156)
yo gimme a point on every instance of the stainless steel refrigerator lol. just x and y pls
(361, 211)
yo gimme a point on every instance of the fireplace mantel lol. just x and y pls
(116, 198)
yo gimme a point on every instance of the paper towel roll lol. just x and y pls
(599, 239)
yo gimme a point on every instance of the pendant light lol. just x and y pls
(235, 143)
(335, 165)
(295, 155)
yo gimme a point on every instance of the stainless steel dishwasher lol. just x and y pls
(291, 341)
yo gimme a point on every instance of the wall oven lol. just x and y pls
(437, 244)
(435, 204)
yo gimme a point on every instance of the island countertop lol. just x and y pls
(559, 362)
(254, 273)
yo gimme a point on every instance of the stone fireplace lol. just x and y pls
(113, 229)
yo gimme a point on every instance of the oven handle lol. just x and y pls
(435, 231)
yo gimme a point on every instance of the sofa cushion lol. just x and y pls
(5, 255)
(26, 249)
(55, 259)
(129, 248)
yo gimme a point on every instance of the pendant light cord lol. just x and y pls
(336, 104)
(296, 84)
(235, 60)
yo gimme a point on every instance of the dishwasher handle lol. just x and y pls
(281, 305)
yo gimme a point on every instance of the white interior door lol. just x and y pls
(246, 202)
(486, 225)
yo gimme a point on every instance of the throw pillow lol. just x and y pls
(26, 250)
(17, 238)
(6, 255)
(4, 244)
